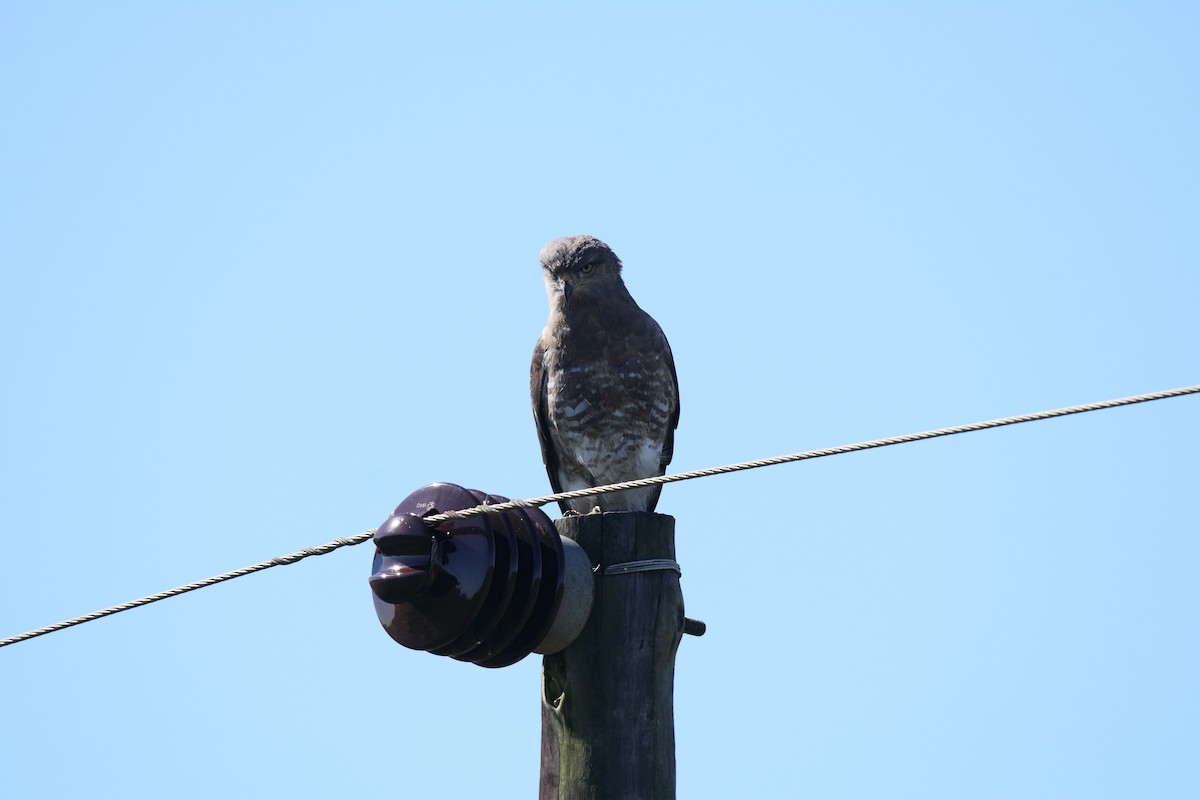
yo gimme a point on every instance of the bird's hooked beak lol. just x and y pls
(567, 286)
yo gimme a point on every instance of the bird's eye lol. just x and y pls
(586, 268)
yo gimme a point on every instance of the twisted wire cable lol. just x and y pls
(278, 561)
(537, 502)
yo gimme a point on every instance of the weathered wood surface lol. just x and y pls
(608, 721)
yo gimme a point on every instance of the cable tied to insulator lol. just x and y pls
(537, 502)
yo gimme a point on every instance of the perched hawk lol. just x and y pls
(605, 396)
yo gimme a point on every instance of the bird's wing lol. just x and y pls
(668, 451)
(541, 417)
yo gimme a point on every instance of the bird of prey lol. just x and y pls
(605, 395)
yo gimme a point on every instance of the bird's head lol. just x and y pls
(579, 268)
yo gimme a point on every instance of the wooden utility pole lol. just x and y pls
(608, 720)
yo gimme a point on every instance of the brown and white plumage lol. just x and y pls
(605, 396)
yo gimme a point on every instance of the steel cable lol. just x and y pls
(536, 502)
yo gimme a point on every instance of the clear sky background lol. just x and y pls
(270, 267)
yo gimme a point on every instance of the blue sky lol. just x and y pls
(270, 267)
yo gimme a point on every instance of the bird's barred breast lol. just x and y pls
(611, 418)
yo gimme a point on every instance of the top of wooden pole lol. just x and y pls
(608, 724)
